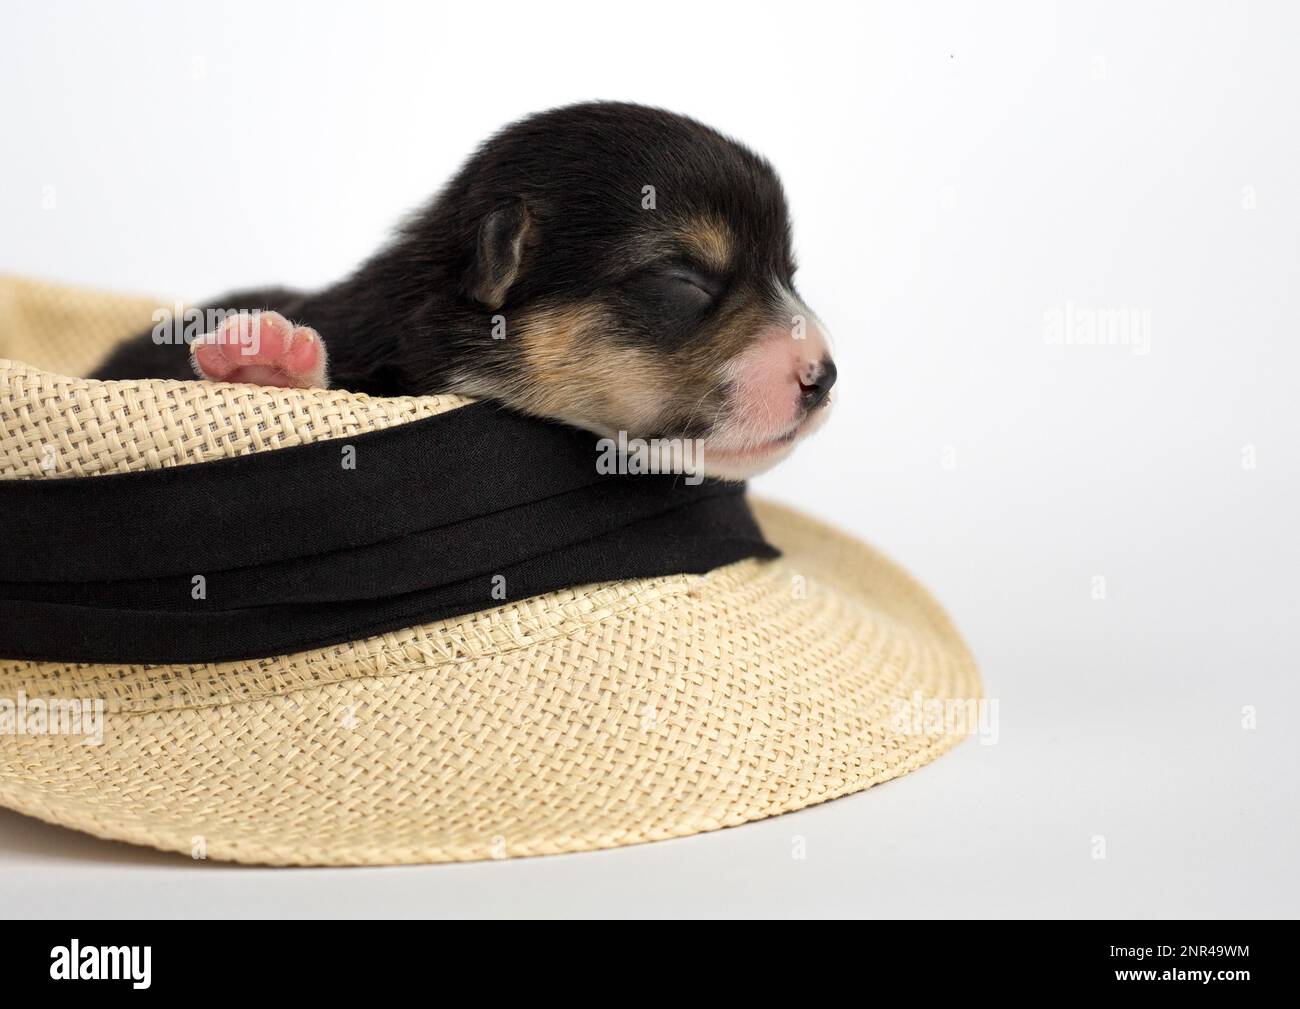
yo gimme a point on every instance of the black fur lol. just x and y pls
(547, 214)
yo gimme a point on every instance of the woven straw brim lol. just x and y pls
(589, 718)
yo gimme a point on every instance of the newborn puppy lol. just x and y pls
(615, 267)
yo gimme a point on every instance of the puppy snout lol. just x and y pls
(815, 381)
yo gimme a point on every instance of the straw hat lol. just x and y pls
(591, 717)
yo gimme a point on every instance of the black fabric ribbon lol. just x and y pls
(293, 549)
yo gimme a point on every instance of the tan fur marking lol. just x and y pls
(729, 336)
(710, 241)
(575, 372)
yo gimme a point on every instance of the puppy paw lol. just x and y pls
(261, 348)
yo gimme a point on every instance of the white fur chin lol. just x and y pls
(729, 467)
(739, 470)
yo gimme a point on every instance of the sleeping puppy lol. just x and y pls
(611, 266)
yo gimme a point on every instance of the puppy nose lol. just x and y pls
(815, 383)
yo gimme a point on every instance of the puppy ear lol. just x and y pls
(502, 238)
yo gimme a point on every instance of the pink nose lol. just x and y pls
(785, 373)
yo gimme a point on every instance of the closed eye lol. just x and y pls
(696, 279)
(670, 300)
(674, 292)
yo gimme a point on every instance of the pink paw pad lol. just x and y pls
(261, 348)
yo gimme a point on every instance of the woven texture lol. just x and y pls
(55, 425)
(589, 718)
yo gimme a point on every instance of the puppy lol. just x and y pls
(618, 268)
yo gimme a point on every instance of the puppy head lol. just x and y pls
(641, 265)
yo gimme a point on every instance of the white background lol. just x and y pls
(956, 172)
